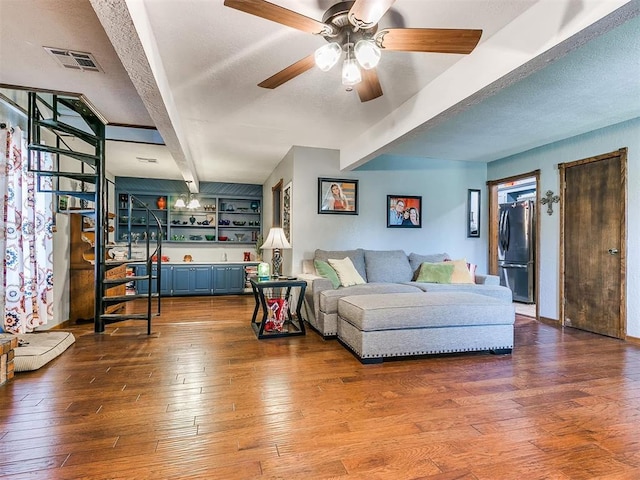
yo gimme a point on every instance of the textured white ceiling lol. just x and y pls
(196, 65)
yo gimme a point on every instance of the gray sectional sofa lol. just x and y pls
(331, 311)
(386, 272)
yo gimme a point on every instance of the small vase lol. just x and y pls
(192, 219)
(162, 203)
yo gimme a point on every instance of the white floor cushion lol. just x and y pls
(37, 349)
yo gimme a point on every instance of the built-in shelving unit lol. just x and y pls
(227, 213)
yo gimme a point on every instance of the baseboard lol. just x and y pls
(634, 340)
(550, 321)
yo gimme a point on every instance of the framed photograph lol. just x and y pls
(473, 213)
(338, 196)
(63, 203)
(404, 211)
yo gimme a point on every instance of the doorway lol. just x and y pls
(593, 244)
(514, 239)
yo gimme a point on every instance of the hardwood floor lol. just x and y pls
(202, 398)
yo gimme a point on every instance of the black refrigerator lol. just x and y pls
(515, 249)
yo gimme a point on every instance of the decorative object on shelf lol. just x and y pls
(192, 219)
(239, 223)
(210, 238)
(264, 271)
(255, 206)
(223, 238)
(240, 236)
(276, 241)
(549, 200)
(247, 256)
(162, 203)
(404, 211)
(187, 258)
(473, 213)
(338, 196)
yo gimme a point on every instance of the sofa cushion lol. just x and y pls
(435, 273)
(325, 270)
(328, 299)
(415, 260)
(391, 266)
(347, 273)
(356, 256)
(495, 291)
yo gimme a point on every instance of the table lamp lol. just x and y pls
(276, 241)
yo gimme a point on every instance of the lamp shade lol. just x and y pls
(276, 239)
(350, 72)
(193, 202)
(367, 53)
(180, 203)
(327, 56)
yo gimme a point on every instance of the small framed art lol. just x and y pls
(404, 211)
(338, 196)
(473, 213)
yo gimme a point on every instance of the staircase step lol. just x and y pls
(81, 177)
(120, 281)
(118, 317)
(83, 157)
(68, 129)
(126, 298)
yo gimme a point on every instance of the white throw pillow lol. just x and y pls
(347, 273)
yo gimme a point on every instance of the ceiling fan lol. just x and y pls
(352, 27)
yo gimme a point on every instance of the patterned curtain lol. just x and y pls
(26, 240)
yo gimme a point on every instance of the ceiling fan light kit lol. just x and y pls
(352, 27)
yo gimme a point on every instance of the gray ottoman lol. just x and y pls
(406, 324)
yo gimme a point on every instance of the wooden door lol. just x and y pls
(593, 236)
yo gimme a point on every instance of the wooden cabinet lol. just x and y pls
(228, 279)
(197, 279)
(82, 276)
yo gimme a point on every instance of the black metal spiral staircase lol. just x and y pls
(66, 143)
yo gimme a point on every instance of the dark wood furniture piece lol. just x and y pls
(82, 276)
(293, 325)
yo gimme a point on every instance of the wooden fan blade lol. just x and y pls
(278, 14)
(366, 13)
(369, 88)
(439, 40)
(288, 73)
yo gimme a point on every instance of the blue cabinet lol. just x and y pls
(228, 279)
(166, 282)
(192, 280)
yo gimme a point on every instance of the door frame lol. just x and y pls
(492, 186)
(622, 153)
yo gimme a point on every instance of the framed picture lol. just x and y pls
(286, 211)
(473, 213)
(63, 203)
(404, 211)
(338, 196)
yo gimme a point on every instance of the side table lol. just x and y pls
(292, 326)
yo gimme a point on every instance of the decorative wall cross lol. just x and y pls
(550, 199)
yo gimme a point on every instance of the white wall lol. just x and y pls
(626, 134)
(442, 185)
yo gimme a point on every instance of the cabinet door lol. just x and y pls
(236, 279)
(181, 280)
(200, 280)
(220, 280)
(165, 280)
(142, 286)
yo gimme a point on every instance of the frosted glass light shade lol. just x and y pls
(193, 202)
(367, 53)
(327, 56)
(350, 72)
(179, 203)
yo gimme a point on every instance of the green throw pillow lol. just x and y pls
(435, 273)
(325, 270)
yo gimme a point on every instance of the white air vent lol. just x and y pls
(75, 60)
(147, 160)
